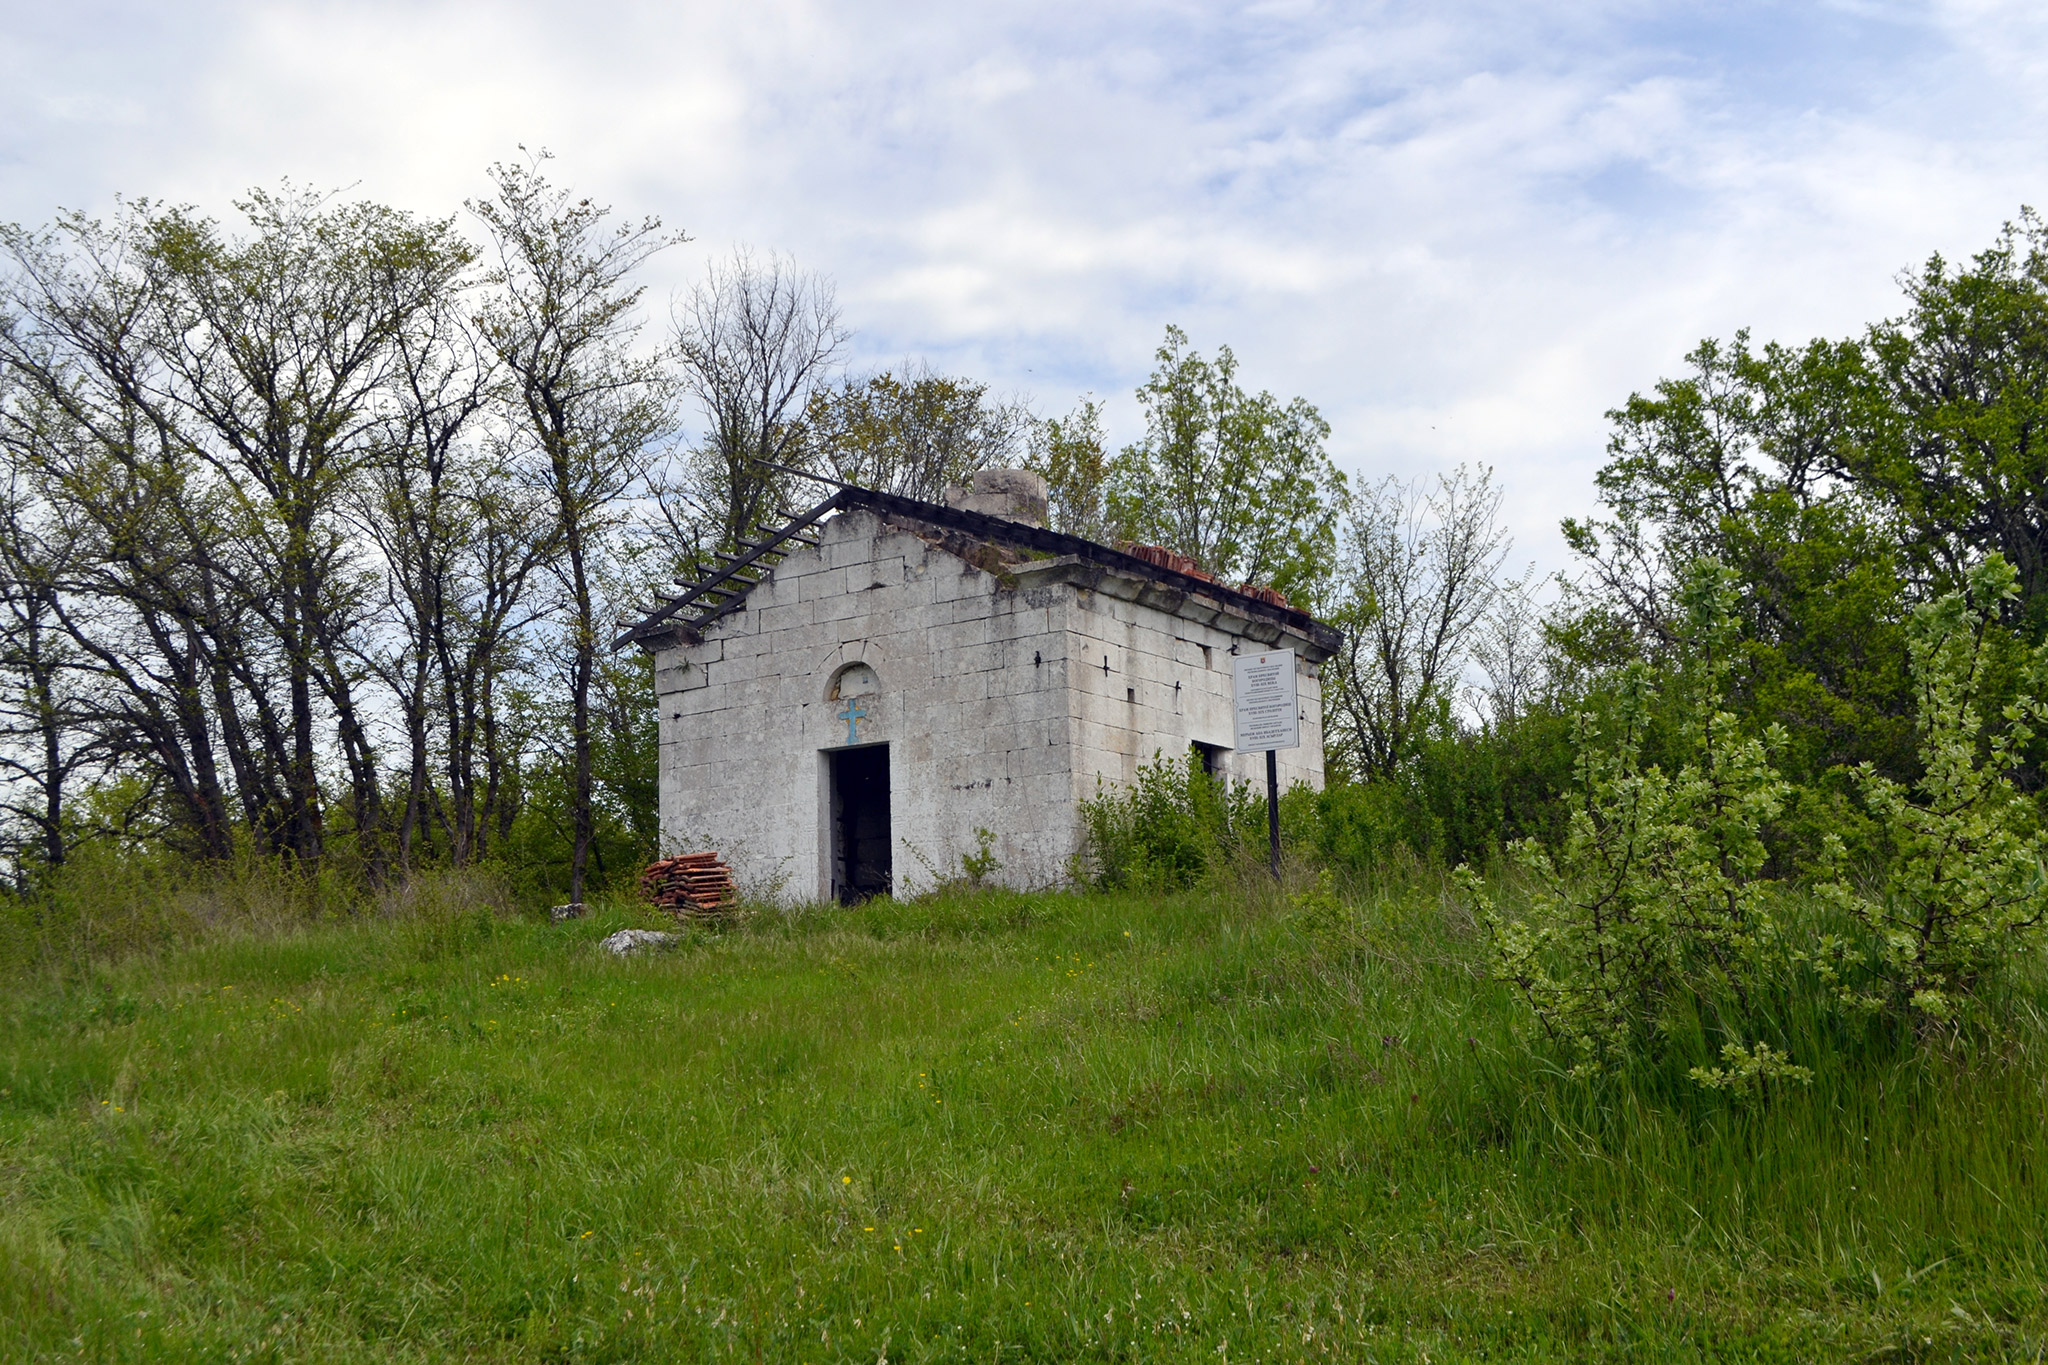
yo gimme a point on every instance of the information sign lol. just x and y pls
(1268, 711)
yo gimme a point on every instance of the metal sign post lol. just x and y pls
(1268, 716)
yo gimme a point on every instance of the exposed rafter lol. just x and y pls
(727, 585)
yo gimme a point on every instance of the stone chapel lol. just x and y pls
(846, 702)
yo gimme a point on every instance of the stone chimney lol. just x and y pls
(1013, 494)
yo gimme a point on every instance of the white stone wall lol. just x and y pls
(991, 698)
(1168, 685)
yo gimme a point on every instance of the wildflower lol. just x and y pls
(846, 1180)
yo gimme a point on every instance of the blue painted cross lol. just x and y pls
(852, 715)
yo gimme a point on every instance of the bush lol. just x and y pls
(1653, 921)
(1653, 909)
(1460, 797)
(1965, 890)
(1171, 829)
(1361, 826)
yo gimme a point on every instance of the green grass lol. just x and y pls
(984, 1128)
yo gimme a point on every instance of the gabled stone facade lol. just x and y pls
(927, 672)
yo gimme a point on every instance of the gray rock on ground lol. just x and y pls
(632, 940)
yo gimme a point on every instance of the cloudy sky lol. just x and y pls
(1463, 229)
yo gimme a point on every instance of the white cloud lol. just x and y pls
(1465, 230)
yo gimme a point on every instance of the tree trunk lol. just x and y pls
(585, 629)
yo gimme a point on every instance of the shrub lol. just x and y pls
(1965, 889)
(1359, 824)
(1460, 797)
(1169, 829)
(1654, 905)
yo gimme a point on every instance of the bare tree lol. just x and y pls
(1417, 575)
(757, 339)
(194, 405)
(461, 535)
(1509, 647)
(307, 487)
(565, 326)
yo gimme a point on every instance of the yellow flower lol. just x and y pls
(846, 1180)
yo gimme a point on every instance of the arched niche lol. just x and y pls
(852, 680)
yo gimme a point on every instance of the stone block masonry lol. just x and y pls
(1000, 686)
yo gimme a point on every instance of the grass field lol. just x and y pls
(983, 1127)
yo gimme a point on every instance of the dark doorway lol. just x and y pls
(860, 823)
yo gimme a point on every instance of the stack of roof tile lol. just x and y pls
(1271, 596)
(692, 884)
(1164, 558)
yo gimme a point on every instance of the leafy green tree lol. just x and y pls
(1072, 455)
(538, 843)
(1843, 481)
(912, 434)
(1238, 482)
(1739, 461)
(1954, 432)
